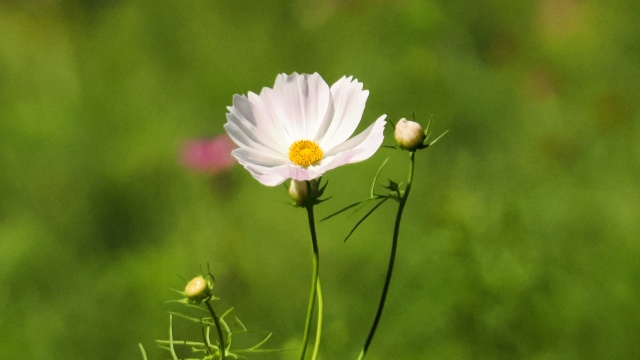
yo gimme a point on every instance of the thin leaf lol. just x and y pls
(191, 318)
(205, 337)
(173, 352)
(178, 291)
(261, 351)
(255, 347)
(345, 209)
(244, 328)
(371, 194)
(144, 354)
(226, 313)
(438, 138)
(375, 179)
(366, 216)
(180, 342)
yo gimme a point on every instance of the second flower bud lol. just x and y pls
(409, 135)
(299, 192)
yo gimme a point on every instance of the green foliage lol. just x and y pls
(208, 349)
(519, 241)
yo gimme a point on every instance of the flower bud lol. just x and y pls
(409, 135)
(198, 289)
(300, 194)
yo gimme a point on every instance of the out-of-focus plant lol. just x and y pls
(199, 291)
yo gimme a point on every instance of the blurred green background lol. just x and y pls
(520, 239)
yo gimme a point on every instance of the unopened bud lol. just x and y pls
(409, 135)
(198, 289)
(300, 193)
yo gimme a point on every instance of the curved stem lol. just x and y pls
(315, 281)
(392, 258)
(223, 348)
(316, 347)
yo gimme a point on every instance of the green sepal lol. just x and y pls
(427, 134)
(313, 198)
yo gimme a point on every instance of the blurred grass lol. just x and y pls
(521, 238)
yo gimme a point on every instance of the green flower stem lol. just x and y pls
(315, 281)
(316, 347)
(223, 348)
(392, 257)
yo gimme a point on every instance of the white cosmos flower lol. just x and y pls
(300, 129)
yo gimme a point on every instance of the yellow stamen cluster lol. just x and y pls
(305, 153)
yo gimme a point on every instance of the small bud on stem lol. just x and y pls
(198, 289)
(409, 135)
(300, 193)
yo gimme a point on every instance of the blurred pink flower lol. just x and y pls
(208, 155)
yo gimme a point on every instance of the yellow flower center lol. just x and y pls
(305, 153)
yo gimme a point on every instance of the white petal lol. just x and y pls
(300, 107)
(266, 178)
(348, 102)
(365, 144)
(299, 173)
(269, 126)
(275, 175)
(357, 149)
(272, 171)
(244, 139)
(266, 174)
(272, 176)
(248, 155)
(245, 134)
(251, 116)
(299, 103)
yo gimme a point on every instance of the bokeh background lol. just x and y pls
(520, 241)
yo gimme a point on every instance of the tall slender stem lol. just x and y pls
(316, 347)
(392, 258)
(223, 348)
(315, 281)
